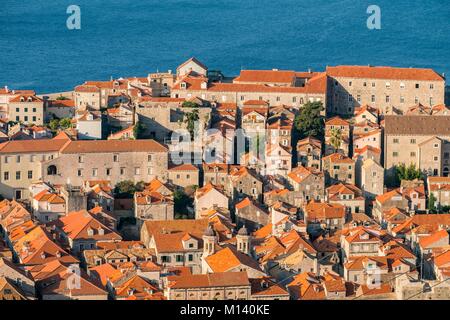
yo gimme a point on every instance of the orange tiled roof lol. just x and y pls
(217, 279)
(321, 210)
(427, 241)
(384, 73)
(336, 121)
(268, 76)
(228, 259)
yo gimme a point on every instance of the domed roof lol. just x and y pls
(243, 231)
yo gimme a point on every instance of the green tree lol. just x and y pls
(309, 122)
(54, 124)
(190, 118)
(432, 203)
(138, 130)
(62, 98)
(405, 172)
(140, 186)
(336, 138)
(125, 189)
(65, 123)
(181, 203)
(190, 104)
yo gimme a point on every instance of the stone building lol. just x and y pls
(112, 160)
(27, 109)
(420, 140)
(391, 90)
(337, 124)
(213, 286)
(338, 167)
(309, 153)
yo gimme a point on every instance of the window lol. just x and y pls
(6, 176)
(358, 98)
(17, 175)
(108, 171)
(149, 158)
(179, 258)
(431, 86)
(436, 145)
(417, 86)
(18, 194)
(80, 159)
(18, 159)
(30, 174)
(137, 171)
(32, 158)
(402, 99)
(122, 171)
(94, 172)
(388, 85)
(116, 158)
(402, 85)
(373, 84)
(80, 172)
(416, 100)
(350, 83)
(436, 158)
(34, 109)
(412, 154)
(373, 98)
(25, 118)
(412, 141)
(388, 99)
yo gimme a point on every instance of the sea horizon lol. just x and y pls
(126, 39)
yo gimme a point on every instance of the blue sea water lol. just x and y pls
(122, 38)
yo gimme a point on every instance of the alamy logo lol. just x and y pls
(374, 20)
(74, 20)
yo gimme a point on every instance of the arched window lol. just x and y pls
(51, 170)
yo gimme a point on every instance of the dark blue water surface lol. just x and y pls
(122, 38)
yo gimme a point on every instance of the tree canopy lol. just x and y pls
(138, 130)
(405, 172)
(190, 118)
(125, 189)
(309, 122)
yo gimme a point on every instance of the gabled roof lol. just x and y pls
(228, 259)
(77, 224)
(336, 121)
(321, 210)
(54, 279)
(429, 241)
(195, 60)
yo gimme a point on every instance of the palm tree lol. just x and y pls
(336, 138)
(190, 118)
